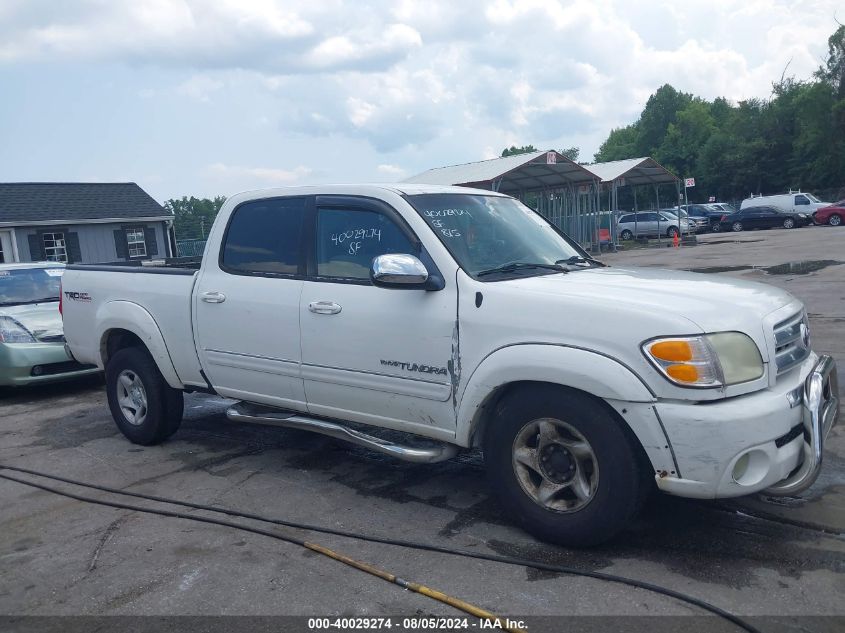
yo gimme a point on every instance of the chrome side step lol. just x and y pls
(437, 452)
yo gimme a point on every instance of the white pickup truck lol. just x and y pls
(462, 319)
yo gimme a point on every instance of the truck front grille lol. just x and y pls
(791, 348)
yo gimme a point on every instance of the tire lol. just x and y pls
(137, 390)
(835, 220)
(716, 227)
(789, 223)
(672, 232)
(559, 496)
(736, 226)
(627, 235)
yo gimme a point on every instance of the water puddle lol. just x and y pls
(801, 268)
(789, 268)
(702, 243)
(719, 269)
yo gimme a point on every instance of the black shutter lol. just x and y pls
(36, 248)
(150, 239)
(121, 247)
(74, 252)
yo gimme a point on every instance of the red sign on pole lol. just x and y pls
(711, 199)
(689, 182)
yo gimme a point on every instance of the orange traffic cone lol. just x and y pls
(676, 242)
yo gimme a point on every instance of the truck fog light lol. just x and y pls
(741, 467)
(750, 468)
(37, 370)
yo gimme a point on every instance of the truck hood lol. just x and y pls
(712, 302)
(41, 319)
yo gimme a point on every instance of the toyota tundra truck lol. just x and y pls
(419, 321)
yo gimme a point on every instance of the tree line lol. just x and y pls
(193, 217)
(794, 139)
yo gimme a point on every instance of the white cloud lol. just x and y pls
(199, 87)
(265, 176)
(351, 51)
(391, 171)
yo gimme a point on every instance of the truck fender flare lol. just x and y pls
(129, 316)
(586, 370)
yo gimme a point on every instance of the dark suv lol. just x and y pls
(711, 214)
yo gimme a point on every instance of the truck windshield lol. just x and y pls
(29, 285)
(496, 234)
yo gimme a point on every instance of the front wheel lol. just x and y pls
(562, 466)
(736, 226)
(627, 235)
(672, 232)
(145, 408)
(789, 223)
(716, 227)
(834, 220)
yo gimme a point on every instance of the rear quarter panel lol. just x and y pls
(155, 307)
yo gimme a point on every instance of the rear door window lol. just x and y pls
(264, 237)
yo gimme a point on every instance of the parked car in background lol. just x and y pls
(833, 214)
(695, 224)
(706, 214)
(724, 207)
(32, 343)
(794, 202)
(762, 218)
(650, 224)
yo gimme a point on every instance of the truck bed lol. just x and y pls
(119, 295)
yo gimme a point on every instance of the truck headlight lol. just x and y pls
(709, 360)
(13, 332)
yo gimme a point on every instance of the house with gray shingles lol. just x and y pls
(79, 222)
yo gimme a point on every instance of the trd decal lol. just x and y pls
(77, 296)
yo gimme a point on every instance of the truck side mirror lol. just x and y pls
(399, 270)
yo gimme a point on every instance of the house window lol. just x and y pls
(55, 249)
(136, 243)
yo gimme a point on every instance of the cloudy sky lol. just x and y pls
(205, 97)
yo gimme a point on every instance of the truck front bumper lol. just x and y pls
(771, 440)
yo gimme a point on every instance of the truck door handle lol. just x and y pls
(213, 297)
(324, 307)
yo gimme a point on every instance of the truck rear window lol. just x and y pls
(264, 237)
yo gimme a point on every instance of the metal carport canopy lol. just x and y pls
(635, 171)
(511, 174)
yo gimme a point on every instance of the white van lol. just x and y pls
(792, 202)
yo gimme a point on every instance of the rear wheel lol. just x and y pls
(562, 466)
(736, 226)
(145, 408)
(672, 232)
(834, 220)
(789, 223)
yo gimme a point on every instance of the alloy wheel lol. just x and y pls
(555, 465)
